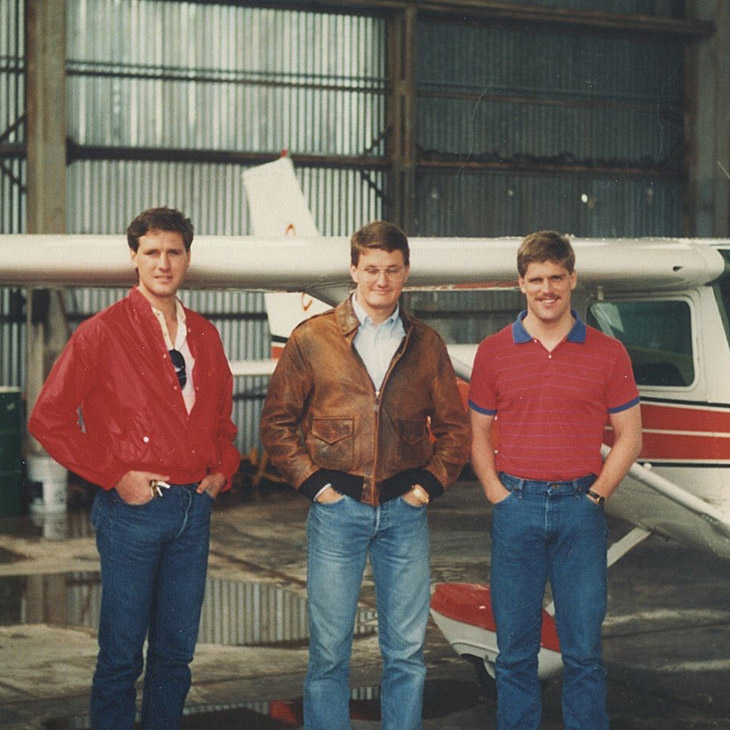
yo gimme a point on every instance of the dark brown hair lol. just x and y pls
(159, 219)
(545, 246)
(379, 235)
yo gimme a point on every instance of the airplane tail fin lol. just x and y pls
(277, 208)
(276, 203)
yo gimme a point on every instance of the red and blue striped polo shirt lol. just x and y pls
(551, 407)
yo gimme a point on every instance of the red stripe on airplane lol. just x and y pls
(471, 603)
(680, 447)
(679, 418)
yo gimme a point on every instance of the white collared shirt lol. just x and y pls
(377, 344)
(181, 345)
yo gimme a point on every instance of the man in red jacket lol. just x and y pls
(154, 390)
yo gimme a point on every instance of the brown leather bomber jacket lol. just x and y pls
(323, 421)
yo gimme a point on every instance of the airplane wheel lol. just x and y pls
(484, 678)
(486, 681)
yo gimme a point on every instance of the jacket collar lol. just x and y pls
(348, 322)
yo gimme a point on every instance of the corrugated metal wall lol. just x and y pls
(12, 110)
(577, 105)
(12, 180)
(193, 76)
(501, 203)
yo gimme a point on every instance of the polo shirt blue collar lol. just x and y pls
(520, 335)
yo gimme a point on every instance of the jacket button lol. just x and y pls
(146, 439)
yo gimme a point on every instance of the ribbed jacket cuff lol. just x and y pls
(313, 483)
(429, 482)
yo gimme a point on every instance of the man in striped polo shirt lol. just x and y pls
(551, 383)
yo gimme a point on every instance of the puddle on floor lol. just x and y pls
(8, 556)
(442, 697)
(235, 613)
(54, 526)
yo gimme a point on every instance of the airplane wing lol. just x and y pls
(302, 264)
(648, 500)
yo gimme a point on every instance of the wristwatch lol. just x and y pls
(598, 498)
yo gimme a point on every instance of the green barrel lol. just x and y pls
(11, 478)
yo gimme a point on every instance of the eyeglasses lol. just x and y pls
(391, 273)
(178, 362)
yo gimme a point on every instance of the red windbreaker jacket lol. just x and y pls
(116, 370)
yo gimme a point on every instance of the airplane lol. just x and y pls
(668, 300)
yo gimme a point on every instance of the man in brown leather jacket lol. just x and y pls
(364, 417)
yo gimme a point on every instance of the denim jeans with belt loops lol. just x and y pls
(154, 560)
(341, 535)
(549, 530)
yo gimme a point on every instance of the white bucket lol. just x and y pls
(47, 482)
(53, 525)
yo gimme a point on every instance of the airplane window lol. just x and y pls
(657, 335)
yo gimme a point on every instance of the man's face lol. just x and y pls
(379, 276)
(547, 286)
(162, 262)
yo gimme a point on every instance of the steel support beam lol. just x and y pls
(45, 23)
(708, 125)
(507, 12)
(401, 148)
(46, 115)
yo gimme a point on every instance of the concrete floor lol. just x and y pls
(667, 636)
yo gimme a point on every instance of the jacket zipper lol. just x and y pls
(377, 403)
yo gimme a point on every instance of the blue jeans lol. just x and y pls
(340, 536)
(153, 565)
(549, 530)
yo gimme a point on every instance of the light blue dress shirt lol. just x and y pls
(377, 344)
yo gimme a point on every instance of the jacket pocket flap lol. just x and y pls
(332, 430)
(412, 431)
